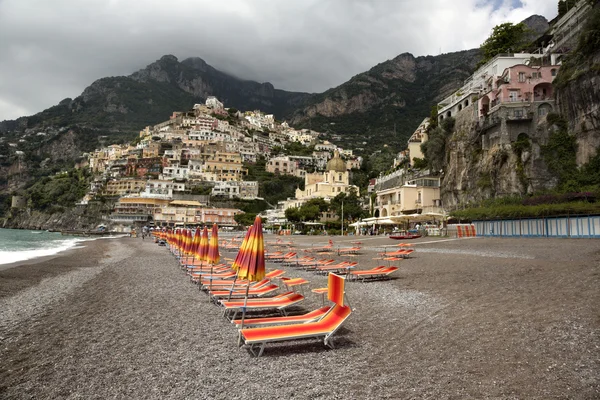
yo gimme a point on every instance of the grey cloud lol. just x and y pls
(50, 50)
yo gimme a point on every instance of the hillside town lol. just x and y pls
(158, 178)
(192, 168)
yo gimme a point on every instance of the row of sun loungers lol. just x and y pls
(249, 305)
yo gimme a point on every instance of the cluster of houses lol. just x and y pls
(168, 175)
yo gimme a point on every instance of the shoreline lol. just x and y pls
(77, 246)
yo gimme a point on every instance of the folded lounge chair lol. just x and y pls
(324, 327)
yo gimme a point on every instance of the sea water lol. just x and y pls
(18, 245)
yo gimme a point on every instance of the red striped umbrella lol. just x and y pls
(252, 265)
(242, 250)
(196, 242)
(203, 247)
(213, 255)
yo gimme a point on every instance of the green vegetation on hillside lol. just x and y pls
(272, 187)
(60, 192)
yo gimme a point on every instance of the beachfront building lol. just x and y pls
(136, 209)
(418, 137)
(186, 212)
(397, 196)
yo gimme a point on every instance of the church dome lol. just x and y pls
(336, 164)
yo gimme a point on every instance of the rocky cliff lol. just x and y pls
(386, 103)
(578, 100)
(500, 161)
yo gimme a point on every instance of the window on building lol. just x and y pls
(521, 76)
(553, 71)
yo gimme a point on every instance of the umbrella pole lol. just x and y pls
(212, 264)
(243, 314)
(232, 286)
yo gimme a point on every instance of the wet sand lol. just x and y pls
(473, 318)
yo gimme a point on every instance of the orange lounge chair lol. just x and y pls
(293, 261)
(279, 302)
(381, 272)
(290, 283)
(281, 257)
(276, 273)
(325, 327)
(220, 284)
(291, 319)
(251, 292)
(404, 253)
(311, 265)
(341, 267)
(325, 248)
(349, 250)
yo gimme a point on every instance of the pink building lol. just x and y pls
(518, 84)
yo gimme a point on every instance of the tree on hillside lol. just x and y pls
(565, 5)
(505, 38)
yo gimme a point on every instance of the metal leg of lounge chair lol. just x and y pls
(262, 348)
(328, 341)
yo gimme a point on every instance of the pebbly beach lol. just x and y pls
(471, 318)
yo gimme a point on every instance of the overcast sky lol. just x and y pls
(53, 49)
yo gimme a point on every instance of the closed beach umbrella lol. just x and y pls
(241, 251)
(252, 265)
(203, 247)
(213, 255)
(196, 241)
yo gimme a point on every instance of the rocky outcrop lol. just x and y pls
(578, 101)
(79, 218)
(487, 162)
(393, 96)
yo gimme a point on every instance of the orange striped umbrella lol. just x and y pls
(242, 250)
(179, 239)
(196, 241)
(252, 265)
(203, 247)
(213, 255)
